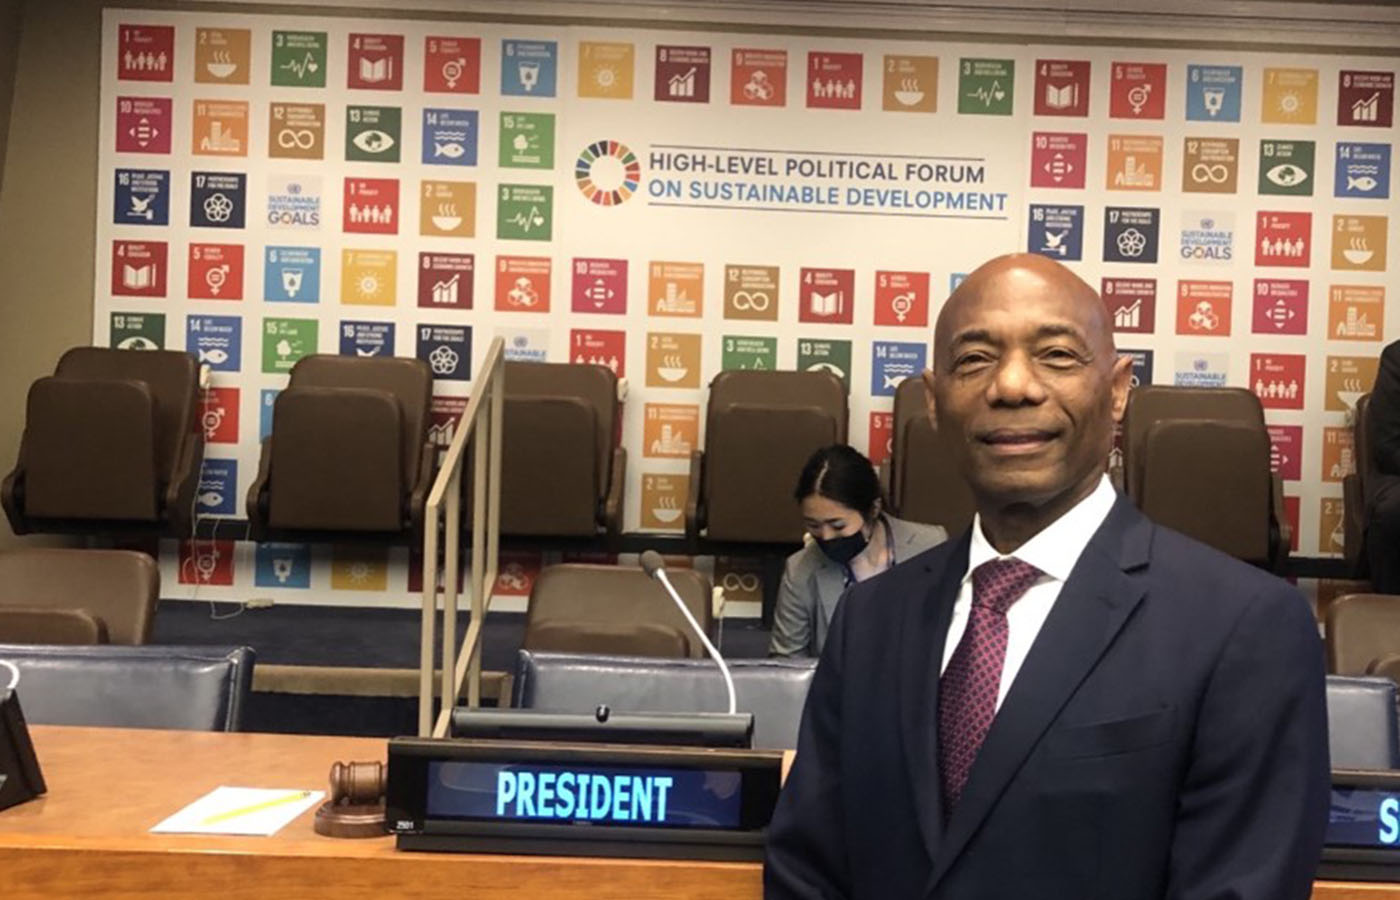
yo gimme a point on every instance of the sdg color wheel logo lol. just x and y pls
(607, 172)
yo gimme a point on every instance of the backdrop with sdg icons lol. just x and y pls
(672, 204)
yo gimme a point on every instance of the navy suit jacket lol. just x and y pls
(1166, 737)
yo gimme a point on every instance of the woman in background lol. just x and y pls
(852, 539)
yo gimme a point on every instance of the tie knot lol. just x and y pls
(998, 583)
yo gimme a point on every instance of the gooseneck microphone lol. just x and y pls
(655, 566)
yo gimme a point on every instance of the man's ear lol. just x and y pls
(1122, 383)
(929, 402)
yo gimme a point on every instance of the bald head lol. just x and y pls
(1025, 389)
(1009, 281)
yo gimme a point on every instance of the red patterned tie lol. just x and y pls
(967, 695)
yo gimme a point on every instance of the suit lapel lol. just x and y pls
(1092, 607)
(924, 628)
(830, 583)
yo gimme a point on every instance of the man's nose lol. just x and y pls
(1017, 381)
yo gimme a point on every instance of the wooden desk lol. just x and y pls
(89, 837)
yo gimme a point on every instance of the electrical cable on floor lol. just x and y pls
(198, 573)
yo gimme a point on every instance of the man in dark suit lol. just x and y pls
(1383, 475)
(1069, 702)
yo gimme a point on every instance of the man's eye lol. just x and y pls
(970, 361)
(1060, 356)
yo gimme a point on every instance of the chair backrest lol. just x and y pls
(747, 490)
(747, 495)
(549, 477)
(117, 587)
(90, 451)
(773, 690)
(36, 625)
(910, 404)
(410, 381)
(595, 385)
(1361, 723)
(620, 606)
(336, 460)
(749, 387)
(1209, 480)
(1361, 629)
(613, 638)
(190, 688)
(1152, 403)
(926, 484)
(173, 380)
(1361, 434)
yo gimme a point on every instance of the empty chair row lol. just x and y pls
(113, 443)
(350, 454)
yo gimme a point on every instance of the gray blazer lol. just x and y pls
(813, 584)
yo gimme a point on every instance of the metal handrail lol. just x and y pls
(481, 423)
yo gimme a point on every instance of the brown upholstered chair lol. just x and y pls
(112, 443)
(562, 474)
(615, 610)
(1209, 480)
(921, 478)
(116, 588)
(1362, 631)
(348, 452)
(1265, 532)
(1354, 491)
(760, 428)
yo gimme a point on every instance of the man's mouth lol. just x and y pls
(1012, 441)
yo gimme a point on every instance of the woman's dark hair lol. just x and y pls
(841, 473)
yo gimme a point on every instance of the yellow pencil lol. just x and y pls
(256, 807)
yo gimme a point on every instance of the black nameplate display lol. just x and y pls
(605, 726)
(20, 778)
(581, 799)
(1363, 827)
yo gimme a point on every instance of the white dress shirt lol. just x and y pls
(1053, 551)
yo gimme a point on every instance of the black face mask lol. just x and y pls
(842, 550)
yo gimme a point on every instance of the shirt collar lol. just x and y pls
(1058, 546)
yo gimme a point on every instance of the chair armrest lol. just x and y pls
(255, 502)
(12, 498)
(1354, 526)
(885, 472)
(612, 503)
(694, 510)
(418, 498)
(179, 493)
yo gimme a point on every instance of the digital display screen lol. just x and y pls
(1364, 817)
(644, 796)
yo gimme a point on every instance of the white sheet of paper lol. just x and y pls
(238, 810)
